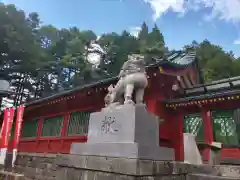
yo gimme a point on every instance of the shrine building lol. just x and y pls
(175, 93)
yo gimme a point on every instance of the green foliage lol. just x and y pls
(214, 61)
(151, 43)
(41, 60)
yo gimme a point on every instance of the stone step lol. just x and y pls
(217, 170)
(11, 175)
(230, 171)
(208, 177)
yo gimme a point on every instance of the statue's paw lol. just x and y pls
(129, 102)
(115, 103)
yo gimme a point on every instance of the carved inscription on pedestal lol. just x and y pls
(108, 125)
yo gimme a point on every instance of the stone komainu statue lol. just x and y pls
(132, 78)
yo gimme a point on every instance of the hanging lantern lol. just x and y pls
(161, 70)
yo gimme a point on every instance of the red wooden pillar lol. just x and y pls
(64, 131)
(65, 125)
(39, 133)
(40, 128)
(178, 135)
(208, 132)
(152, 106)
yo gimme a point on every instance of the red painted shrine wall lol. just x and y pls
(160, 88)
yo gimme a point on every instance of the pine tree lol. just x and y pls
(143, 34)
(155, 36)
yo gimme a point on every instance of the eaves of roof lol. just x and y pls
(177, 60)
(204, 96)
(101, 82)
(220, 85)
(216, 89)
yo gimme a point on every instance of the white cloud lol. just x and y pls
(227, 10)
(161, 6)
(134, 31)
(237, 42)
(98, 37)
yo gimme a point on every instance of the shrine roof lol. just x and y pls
(205, 96)
(176, 59)
(216, 89)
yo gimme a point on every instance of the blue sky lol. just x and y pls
(181, 21)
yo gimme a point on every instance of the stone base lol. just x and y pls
(125, 131)
(42, 166)
(191, 151)
(123, 150)
(11, 176)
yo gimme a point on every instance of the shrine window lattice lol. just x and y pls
(52, 126)
(226, 127)
(29, 129)
(193, 123)
(78, 123)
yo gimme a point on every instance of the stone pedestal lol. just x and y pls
(127, 131)
(215, 153)
(191, 152)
